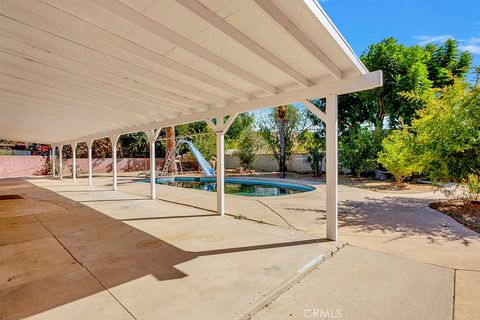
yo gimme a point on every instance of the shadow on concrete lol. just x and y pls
(171, 217)
(79, 252)
(114, 200)
(408, 217)
(323, 211)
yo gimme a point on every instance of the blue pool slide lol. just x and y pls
(206, 167)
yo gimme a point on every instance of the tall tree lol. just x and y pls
(447, 62)
(404, 70)
(285, 125)
(282, 162)
(170, 148)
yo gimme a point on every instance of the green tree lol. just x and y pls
(135, 145)
(448, 133)
(287, 124)
(399, 155)
(447, 63)
(204, 138)
(358, 150)
(314, 143)
(404, 70)
(247, 148)
(243, 122)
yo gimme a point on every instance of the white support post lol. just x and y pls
(60, 161)
(74, 162)
(220, 127)
(52, 159)
(220, 172)
(90, 169)
(114, 140)
(152, 137)
(153, 182)
(332, 166)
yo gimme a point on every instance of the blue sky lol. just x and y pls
(363, 22)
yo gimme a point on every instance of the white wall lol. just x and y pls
(266, 162)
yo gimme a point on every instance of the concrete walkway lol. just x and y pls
(372, 286)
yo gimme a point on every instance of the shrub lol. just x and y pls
(473, 187)
(315, 146)
(357, 150)
(247, 149)
(399, 155)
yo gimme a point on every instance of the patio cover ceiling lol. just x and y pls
(75, 70)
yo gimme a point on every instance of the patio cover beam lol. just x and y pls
(277, 15)
(363, 82)
(199, 9)
(32, 10)
(163, 32)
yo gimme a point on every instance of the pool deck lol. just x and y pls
(83, 252)
(79, 252)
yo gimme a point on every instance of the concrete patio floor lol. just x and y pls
(123, 255)
(82, 253)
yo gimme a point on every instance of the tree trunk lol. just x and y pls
(170, 135)
(281, 129)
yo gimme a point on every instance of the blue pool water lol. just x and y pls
(238, 186)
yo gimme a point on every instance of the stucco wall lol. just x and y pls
(266, 162)
(104, 165)
(18, 166)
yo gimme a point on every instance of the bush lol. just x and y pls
(448, 133)
(315, 146)
(247, 149)
(399, 155)
(358, 150)
(207, 146)
(473, 187)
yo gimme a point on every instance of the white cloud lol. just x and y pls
(423, 40)
(474, 40)
(473, 48)
(470, 44)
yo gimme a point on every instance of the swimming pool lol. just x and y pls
(238, 186)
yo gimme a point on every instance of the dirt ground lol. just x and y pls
(467, 214)
(364, 183)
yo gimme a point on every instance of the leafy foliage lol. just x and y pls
(314, 143)
(399, 155)
(136, 145)
(411, 75)
(446, 63)
(247, 149)
(448, 133)
(270, 130)
(443, 142)
(473, 186)
(358, 149)
(243, 122)
(404, 69)
(204, 138)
